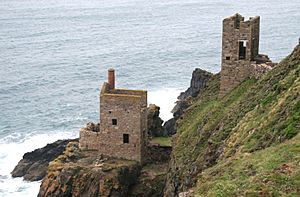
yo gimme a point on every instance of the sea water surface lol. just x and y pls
(54, 55)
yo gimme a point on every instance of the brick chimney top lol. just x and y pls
(111, 78)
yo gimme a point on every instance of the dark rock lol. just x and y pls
(155, 127)
(152, 180)
(149, 185)
(180, 106)
(158, 154)
(33, 166)
(93, 174)
(88, 175)
(170, 126)
(199, 81)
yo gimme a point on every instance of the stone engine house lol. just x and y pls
(122, 132)
(240, 58)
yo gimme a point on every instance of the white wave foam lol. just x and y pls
(165, 99)
(11, 153)
(16, 187)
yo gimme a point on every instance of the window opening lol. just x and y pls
(125, 138)
(242, 49)
(114, 122)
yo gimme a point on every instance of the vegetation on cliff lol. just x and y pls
(244, 144)
(218, 138)
(88, 173)
(274, 171)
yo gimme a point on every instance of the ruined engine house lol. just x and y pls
(122, 132)
(240, 52)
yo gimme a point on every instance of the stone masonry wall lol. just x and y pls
(234, 69)
(254, 32)
(129, 112)
(144, 134)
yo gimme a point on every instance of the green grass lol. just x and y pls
(269, 124)
(162, 141)
(254, 116)
(274, 171)
(202, 123)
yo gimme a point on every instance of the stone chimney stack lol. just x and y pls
(111, 78)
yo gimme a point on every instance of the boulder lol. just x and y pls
(170, 126)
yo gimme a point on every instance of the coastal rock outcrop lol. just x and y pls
(88, 173)
(155, 127)
(152, 180)
(33, 166)
(169, 126)
(199, 81)
(68, 171)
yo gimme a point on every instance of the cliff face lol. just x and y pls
(154, 122)
(245, 143)
(68, 171)
(88, 173)
(77, 173)
(199, 81)
(33, 166)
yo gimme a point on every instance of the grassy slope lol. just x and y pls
(274, 171)
(254, 116)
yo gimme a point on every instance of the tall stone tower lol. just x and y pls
(240, 42)
(123, 123)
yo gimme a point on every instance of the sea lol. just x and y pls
(54, 56)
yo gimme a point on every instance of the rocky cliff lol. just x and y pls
(88, 173)
(77, 173)
(199, 81)
(154, 122)
(33, 166)
(68, 171)
(244, 144)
